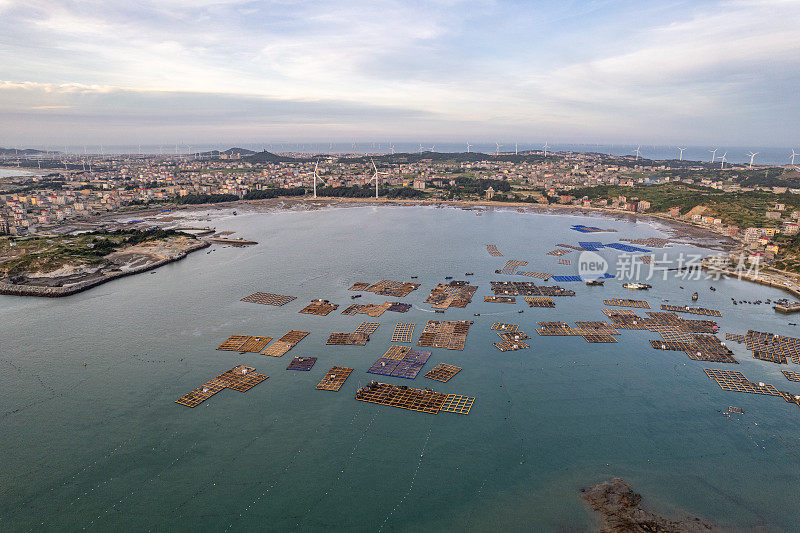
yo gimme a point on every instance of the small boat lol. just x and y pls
(520, 311)
(438, 310)
(235, 213)
(737, 410)
(477, 314)
(448, 277)
(712, 288)
(414, 277)
(637, 286)
(595, 283)
(470, 274)
(353, 297)
(695, 296)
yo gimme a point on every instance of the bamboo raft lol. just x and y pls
(244, 343)
(539, 301)
(240, 378)
(372, 310)
(510, 346)
(791, 376)
(302, 363)
(334, 378)
(500, 326)
(453, 294)
(421, 400)
(627, 302)
(693, 310)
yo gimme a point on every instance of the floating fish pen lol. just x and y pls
(500, 326)
(387, 287)
(558, 252)
(285, 343)
(335, 378)
(244, 343)
(557, 329)
(373, 310)
(367, 328)
(266, 298)
(319, 308)
(527, 288)
(456, 403)
(566, 262)
(773, 348)
(513, 336)
(693, 310)
(240, 378)
(791, 376)
(511, 267)
(451, 335)
(399, 307)
(453, 294)
(408, 366)
(347, 339)
(421, 400)
(597, 326)
(652, 242)
(396, 351)
(625, 319)
(493, 251)
(733, 380)
(626, 302)
(500, 299)
(510, 346)
(403, 332)
(539, 301)
(540, 275)
(443, 372)
(302, 363)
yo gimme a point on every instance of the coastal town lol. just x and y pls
(758, 208)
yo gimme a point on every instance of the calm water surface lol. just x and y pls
(103, 447)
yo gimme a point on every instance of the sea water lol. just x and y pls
(103, 446)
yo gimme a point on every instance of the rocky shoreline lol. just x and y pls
(11, 289)
(620, 510)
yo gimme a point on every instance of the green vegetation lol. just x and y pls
(273, 192)
(191, 199)
(743, 209)
(20, 256)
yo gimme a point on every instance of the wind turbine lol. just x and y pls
(433, 148)
(794, 154)
(713, 154)
(516, 149)
(752, 155)
(392, 149)
(376, 176)
(470, 146)
(497, 152)
(722, 167)
(545, 148)
(681, 149)
(637, 151)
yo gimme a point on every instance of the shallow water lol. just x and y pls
(104, 446)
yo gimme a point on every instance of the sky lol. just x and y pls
(167, 71)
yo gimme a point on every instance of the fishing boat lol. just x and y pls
(353, 297)
(695, 296)
(595, 283)
(636, 286)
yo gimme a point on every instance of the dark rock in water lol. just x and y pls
(619, 506)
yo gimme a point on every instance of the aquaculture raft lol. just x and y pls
(319, 308)
(500, 326)
(558, 252)
(335, 378)
(386, 287)
(539, 301)
(626, 302)
(456, 403)
(453, 294)
(407, 366)
(266, 298)
(443, 372)
(244, 343)
(285, 343)
(302, 363)
(396, 351)
(791, 376)
(421, 400)
(403, 332)
(510, 346)
(540, 275)
(493, 251)
(451, 335)
(373, 310)
(527, 288)
(693, 310)
(500, 299)
(511, 267)
(241, 378)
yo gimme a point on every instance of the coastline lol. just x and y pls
(10, 289)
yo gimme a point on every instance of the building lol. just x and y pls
(489, 193)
